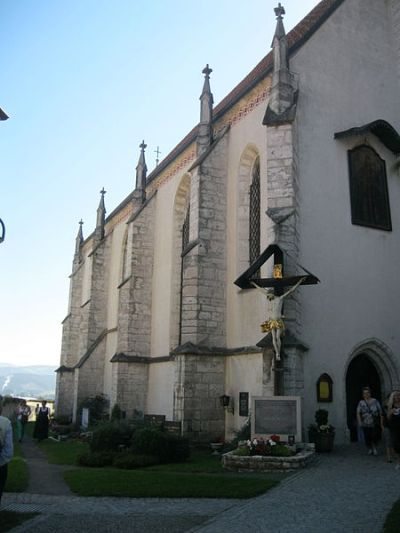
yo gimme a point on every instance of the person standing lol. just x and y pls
(369, 414)
(387, 434)
(41, 430)
(6, 448)
(393, 416)
(23, 414)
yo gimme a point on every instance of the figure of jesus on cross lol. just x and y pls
(274, 323)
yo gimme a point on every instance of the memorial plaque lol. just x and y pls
(243, 404)
(276, 415)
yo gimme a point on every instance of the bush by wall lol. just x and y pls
(167, 447)
(110, 436)
(96, 459)
(129, 460)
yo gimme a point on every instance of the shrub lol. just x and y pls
(110, 436)
(243, 451)
(129, 460)
(116, 412)
(280, 450)
(96, 459)
(62, 420)
(97, 406)
(167, 447)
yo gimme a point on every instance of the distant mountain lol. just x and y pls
(36, 381)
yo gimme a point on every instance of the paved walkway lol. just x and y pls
(344, 492)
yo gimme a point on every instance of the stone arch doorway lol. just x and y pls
(361, 372)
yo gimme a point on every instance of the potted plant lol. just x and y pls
(217, 444)
(321, 433)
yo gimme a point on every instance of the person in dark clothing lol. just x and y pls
(41, 430)
(393, 416)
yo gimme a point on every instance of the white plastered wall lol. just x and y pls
(347, 77)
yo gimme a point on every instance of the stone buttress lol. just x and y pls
(282, 191)
(131, 362)
(199, 368)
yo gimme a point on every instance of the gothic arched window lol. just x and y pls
(368, 189)
(185, 230)
(254, 213)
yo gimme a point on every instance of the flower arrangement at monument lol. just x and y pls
(321, 433)
(268, 447)
(321, 425)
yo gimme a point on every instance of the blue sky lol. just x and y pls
(84, 81)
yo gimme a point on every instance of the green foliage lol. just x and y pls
(167, 447)
(116, 413)
(97, 406)
(321, 417)
(243, 451)
(96, 459)
(129, 460)
(392, 522)
(156, 484)
(63, 420)
(110, 436)
(280, 450)
(10, 519)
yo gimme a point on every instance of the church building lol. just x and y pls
(294, 175)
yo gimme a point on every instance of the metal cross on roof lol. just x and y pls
(102, 192)
(279, 11)
(143, 145)
(157, 152)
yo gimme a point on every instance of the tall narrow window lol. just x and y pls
(368, 189)
(185, 242)
(254, 213)
(185, 230)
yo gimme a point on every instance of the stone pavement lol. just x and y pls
(346, 491)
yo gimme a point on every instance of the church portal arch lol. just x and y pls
(371, 364)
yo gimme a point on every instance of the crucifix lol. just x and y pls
(157, 152)
(276, 289)
(102, 192)
(279, 11)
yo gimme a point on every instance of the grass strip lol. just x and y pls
(150, 484)
(64, 452)
(18, 472)
(10, 519)
(18, 475)
(392, 522)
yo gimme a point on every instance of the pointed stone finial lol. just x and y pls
(283, 89)
(79, 242)
(101, 217)
(141, 174)
(204, 138)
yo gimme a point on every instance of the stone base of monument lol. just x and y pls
(260, 463)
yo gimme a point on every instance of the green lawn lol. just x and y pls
(18, 473)
(145, 483)
(202, 476)
(9, 520)
(64, 452)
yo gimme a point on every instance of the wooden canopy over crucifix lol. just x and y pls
(278, 282)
